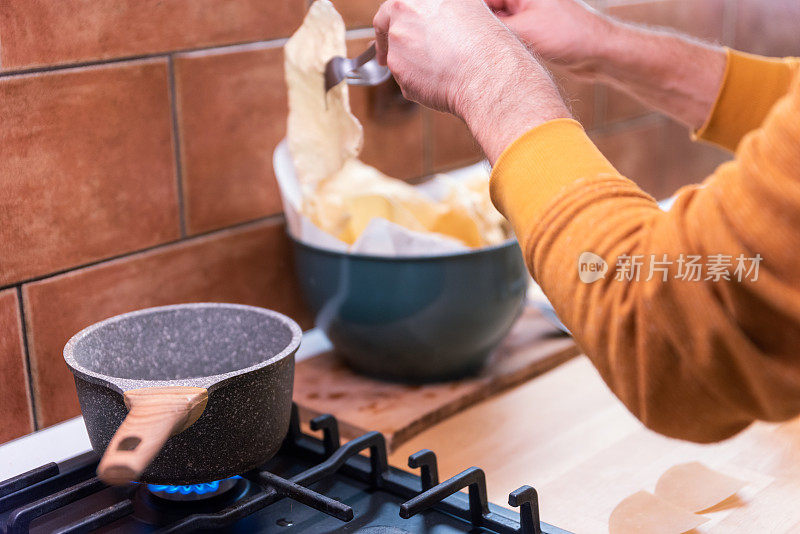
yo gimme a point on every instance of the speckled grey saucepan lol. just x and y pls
(185, 394)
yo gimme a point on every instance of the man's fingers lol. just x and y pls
(499, 7)
(512, 22)
(381, 24)
(496, 5)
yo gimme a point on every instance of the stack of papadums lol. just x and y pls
(342, 195)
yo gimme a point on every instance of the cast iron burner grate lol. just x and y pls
(355, 493)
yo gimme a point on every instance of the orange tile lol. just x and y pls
(620, 106)
(250, 265)
(16, 416)
(451, 143)
(687, 162)
(392, 124)
(699, 18)
(769, 28)
(658, 154)
(88, 166)
(69, 31)
(635, 151)
(231, 115)
(357, 13)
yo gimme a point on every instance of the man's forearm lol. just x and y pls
(674, 74)
(513, 96)
(668, 72)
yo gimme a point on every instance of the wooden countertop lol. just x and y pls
(567, 435)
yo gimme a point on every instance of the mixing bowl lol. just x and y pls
(414, 319)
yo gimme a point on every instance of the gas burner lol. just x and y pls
(334, 482)
(193, 492)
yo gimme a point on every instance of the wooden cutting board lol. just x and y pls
(323, 384)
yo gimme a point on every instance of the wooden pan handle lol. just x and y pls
(154, 415)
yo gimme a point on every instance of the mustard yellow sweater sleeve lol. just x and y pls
(693, 359)
(751, 86)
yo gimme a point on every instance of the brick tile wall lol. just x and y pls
(769, 28)
(357, 13)
(231, 105)
(450, 143)
(87, 166)
(40, 33)
(136, 158)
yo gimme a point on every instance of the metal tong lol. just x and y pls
(363, 70)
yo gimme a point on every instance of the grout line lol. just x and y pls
(28, 370)
(278, 41)
(178, 147)
(233, 49)
(634, 122)
(275, 217)
(352, 33)
(427, 142)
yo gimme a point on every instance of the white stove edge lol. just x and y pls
(65, 440)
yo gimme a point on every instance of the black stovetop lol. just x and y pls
(311, 485)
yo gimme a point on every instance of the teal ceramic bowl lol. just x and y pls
(414, 319)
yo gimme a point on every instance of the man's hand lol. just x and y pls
(437, 49)
(455, 56)
(567, 32)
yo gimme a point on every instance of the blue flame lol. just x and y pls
(191, 489)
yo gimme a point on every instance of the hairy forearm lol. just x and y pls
(666, 71)
(513, 96)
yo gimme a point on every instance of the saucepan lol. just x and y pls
(185, 394)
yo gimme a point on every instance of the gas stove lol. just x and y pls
(312, 485)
